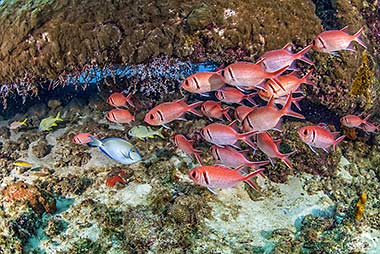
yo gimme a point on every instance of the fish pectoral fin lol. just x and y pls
(54, 124)
(212, 190)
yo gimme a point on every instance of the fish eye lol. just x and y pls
(187, 82)
(313, 42)
(222, 73)
(151, 116)
(193, 174)
(305, 132)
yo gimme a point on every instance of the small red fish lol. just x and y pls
(335, 40)
(242, 111)
(120, 100)
(319, 136)
(233, 95)
(245, 75)
(270, 147)
(202, 82)
(352, 121)
(170, 111)
(290, 82)
(232, 158)
(220, 134)
(268, 117)
(277, 59)
(220, 177)
(213, 109)
(82, 138)
(120, 116)
(186, 146)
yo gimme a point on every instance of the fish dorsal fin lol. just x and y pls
(288, 47)
(344, 29)
(182, 101)
(323, 125)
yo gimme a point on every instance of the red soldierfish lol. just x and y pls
(186, 146)
(232, 158)
(82, 138)
(268, 117)
(202, 82)
(335, 40)
(233, 95)
(245, 75)
(270, 147)
(290, 82)
(120, 116)
(277, 59)
(119, 100)
(352, 121)
(319, 136)
(213, 109)
(220, 177)
(221, 135)
(170, 111)
(242, 111)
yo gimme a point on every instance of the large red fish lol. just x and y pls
(233, 95)
(268, 117)
(335, 40)
(242, 111)
(202, 82)
(170, 111)
(120, 116)
(270, 147)
(277, 59)
(221, 177)
(186, 146)
(319, 136)
(213, 109)
(290, 82)
(232, 158)
(245, 75)
(120, 100)
(82, 138)
(221, 135)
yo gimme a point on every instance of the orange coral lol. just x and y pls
(360, 206)
(112, 180)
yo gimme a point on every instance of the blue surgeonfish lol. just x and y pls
(117, 149)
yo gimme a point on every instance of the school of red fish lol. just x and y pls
(234, 84)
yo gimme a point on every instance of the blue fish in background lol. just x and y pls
(117, 149)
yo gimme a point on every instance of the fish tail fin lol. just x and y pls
(337, 141)
(257, 164)
(285, 159)
(225, 113)
(24, 122)
(191, 108)
(128, 99)
(248, 177)
(296, 100)
(95, 141)
(278, 72)
(159, 132)
(248, 97)
(247, 140)
(58, 117)
(306, 79)
(198, 157)
(357, 37)
(300, 55)
(365, 120)
(286, 110)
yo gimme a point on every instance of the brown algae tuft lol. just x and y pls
(365, 77)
